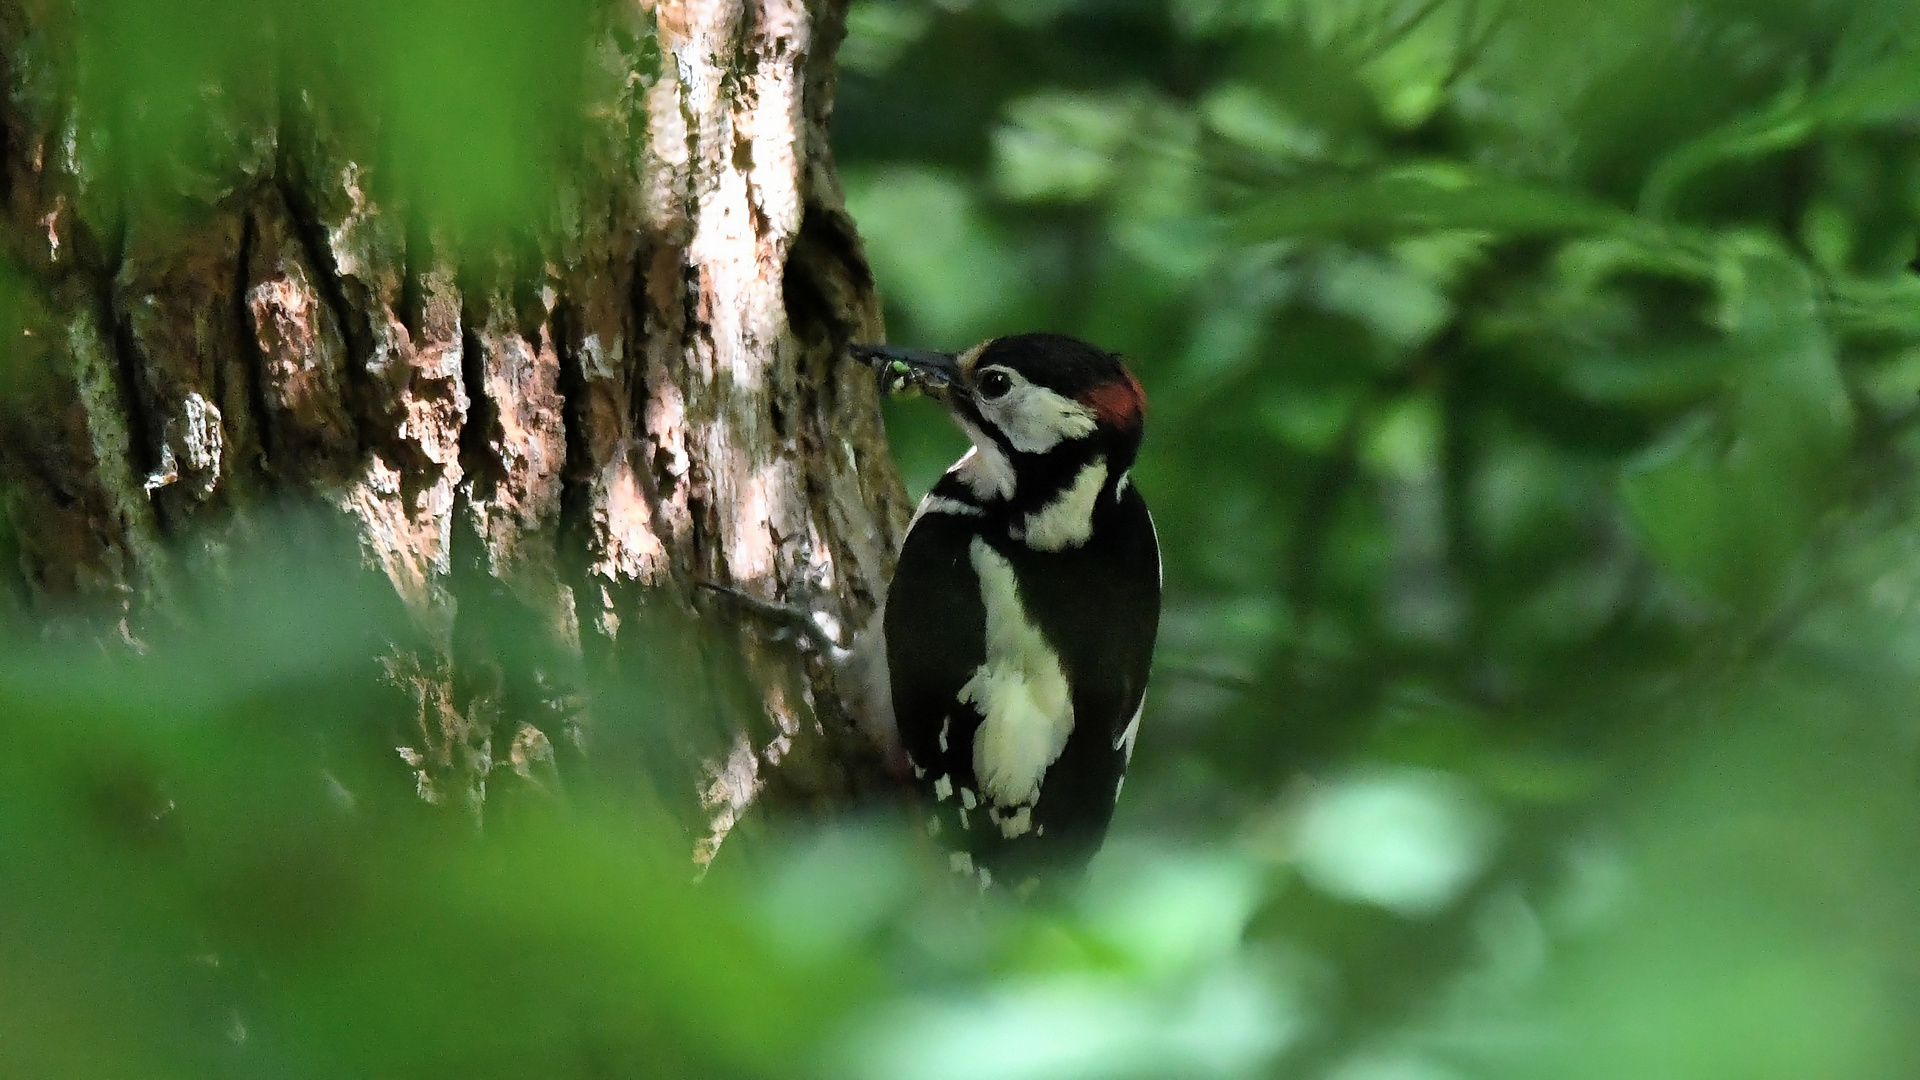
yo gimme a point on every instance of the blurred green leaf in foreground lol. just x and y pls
(216, 865)
(468, 115)
(1536, 389)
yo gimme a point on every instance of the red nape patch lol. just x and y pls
(1119, 403)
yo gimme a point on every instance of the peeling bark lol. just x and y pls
(571, 434)
(300, 351)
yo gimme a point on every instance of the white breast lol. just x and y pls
(1020, 689)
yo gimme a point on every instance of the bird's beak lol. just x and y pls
(905, 370)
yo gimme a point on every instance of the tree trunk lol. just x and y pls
(643, 395)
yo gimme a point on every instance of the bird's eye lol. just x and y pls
(994, 384)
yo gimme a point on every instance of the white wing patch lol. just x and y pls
(1015, 824)
(1159, 564)
(940, 504)
(1021, 691)
(1125, 741)
(1067, 521)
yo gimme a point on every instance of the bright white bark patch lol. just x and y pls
(1021, 691)
(1067, 521)
(1034, 418)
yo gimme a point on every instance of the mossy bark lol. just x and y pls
(644, 394)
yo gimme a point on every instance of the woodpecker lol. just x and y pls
(1010, 658)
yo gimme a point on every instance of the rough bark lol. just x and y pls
(574, 432)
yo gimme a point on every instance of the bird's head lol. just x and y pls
(1028, 397)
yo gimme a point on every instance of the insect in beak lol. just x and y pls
(905, 371)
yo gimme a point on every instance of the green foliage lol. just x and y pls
(1529, 380)
(216, 866)
(467, 115)
(1532, 444)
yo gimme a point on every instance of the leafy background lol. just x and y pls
(1532, 445)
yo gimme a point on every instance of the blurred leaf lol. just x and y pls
(1887, 92)
(1062, 146)
(466, 114)
(1727, 503)
(1424, 197)
(1408, 840)
(218, 867)
(878, 31)
(478, 108)
(1255, 121)
(1876, 310)
(1399, 305)
(178, 100)
(1730, 953)
(940, 257)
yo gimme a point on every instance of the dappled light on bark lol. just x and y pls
(575, 415)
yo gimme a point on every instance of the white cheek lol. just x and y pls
(1035, 419)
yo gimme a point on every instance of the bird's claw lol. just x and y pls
(789, 617)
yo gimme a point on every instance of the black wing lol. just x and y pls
(1099, 605)
(936, 637)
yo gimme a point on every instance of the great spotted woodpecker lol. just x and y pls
(1012, 651)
